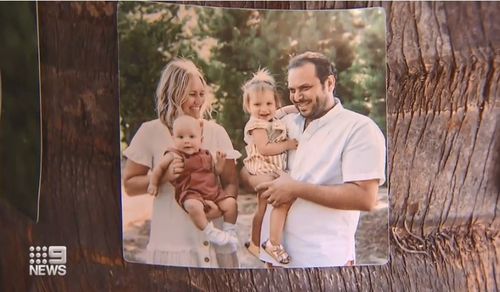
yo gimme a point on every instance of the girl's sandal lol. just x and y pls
(277, 252)
(253, 249)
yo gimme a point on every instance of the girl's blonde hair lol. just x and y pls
(262, 80)
(172, 89)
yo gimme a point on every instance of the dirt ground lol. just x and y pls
(371, 237)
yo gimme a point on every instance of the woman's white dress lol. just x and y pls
(174, 240)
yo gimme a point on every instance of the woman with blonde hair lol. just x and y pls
(174, 240)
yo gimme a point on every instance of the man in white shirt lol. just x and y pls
(334, 173)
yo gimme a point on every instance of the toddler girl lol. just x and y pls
(267, 145)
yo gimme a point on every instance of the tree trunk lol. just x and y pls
(442, 102)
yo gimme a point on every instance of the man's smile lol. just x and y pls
(303, 105)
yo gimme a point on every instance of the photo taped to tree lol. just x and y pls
(243, 131)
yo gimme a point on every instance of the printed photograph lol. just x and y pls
(253, 138)
(20, 132)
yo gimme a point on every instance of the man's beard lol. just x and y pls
(318, 109)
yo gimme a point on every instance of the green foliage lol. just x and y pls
(245, 40)
(363, 84)
(20, 106)
(149, 37)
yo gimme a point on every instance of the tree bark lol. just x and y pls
(442, 101)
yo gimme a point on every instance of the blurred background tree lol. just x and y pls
(230, 45)
(20, 106)
(150, 35)
(362, 84)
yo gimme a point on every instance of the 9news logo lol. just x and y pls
(47, 261)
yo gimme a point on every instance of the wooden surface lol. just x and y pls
(442, 93)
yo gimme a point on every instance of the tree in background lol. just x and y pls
(443, 123)
(362, 85)
(20, 116)
(230, 45)
(149, 37)
(249, 40)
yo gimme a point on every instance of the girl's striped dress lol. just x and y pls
(255, 162)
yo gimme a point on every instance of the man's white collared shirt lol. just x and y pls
(341, 146)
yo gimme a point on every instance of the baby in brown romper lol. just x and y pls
(199, 181)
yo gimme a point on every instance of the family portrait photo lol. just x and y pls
(253, 138)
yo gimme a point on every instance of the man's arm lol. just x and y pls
(285, 110)
(357, 195)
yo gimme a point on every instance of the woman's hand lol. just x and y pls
(213, 211)
(220, 161)
(246, 181)
(174, 170)
(229, 178)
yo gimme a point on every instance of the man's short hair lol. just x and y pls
(324, 67)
